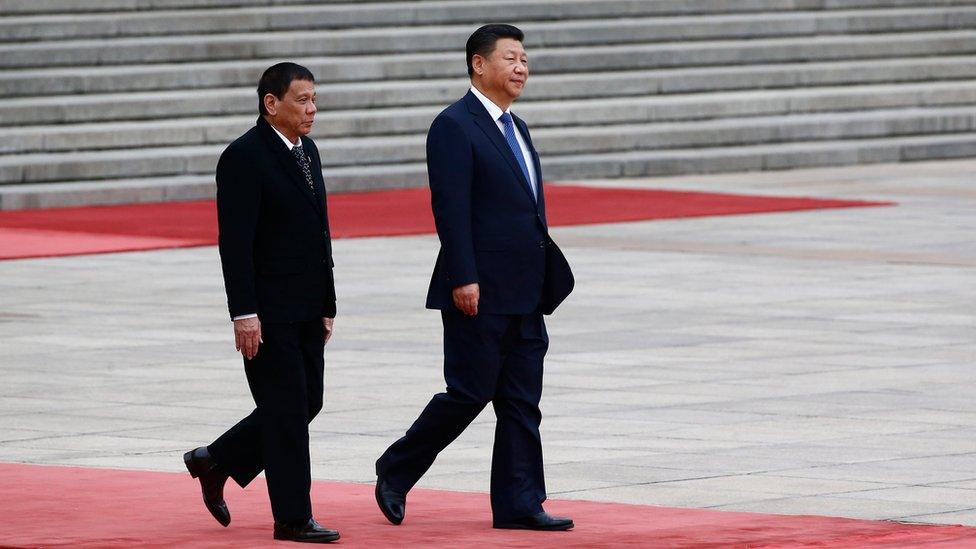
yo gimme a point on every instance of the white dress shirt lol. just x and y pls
(290, 146)
(495, 112)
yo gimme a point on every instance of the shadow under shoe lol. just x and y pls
(212, 479)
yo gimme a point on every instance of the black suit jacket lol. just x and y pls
(275, 248)
(491, 228)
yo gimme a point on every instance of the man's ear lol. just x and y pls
(270, 103)
(478, 64)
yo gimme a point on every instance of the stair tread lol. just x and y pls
(245, 122)
(463, 29)
(450, 55)
(411, 13)
(574, 135)
(834, 144)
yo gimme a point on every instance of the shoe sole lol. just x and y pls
(322, 539)
(520, 527)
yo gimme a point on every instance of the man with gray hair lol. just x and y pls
(276, 255)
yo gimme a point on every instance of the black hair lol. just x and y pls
(482, 41)
(278, 78)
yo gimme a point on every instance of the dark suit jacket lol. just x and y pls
(492, 231)
(275, 248)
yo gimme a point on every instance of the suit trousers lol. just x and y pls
(487, 358)
(286, 381)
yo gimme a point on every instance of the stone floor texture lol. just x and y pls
(816, 362)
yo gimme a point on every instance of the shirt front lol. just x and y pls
(288, 144)
(495, 112)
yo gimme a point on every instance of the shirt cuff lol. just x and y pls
(242, 317)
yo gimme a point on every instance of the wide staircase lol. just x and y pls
(133, 100)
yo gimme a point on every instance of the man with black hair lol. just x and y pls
(276, 255)
(497, 273)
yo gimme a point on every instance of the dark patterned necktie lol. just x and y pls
(303, 163)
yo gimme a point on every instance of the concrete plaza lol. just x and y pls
(817, 362)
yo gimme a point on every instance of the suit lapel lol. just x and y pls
(490, 128)
(288, 163)
(540, 202)
(536, 165)
(315, 164)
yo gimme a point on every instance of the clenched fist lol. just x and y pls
(466, 298)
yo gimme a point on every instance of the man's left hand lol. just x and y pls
(327, 324)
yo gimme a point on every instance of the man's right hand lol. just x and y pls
(247, 336)
(466, 298)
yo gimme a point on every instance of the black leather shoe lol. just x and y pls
(540, 521)
(310, 532)
(212, 479)
(392, 503)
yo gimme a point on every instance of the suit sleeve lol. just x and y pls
(450, 172)
(238, 205)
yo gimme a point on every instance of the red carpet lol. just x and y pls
(99, 229)
(83, 507)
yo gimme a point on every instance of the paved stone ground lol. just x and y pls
(815, 362)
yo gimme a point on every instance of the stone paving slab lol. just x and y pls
(811, 362)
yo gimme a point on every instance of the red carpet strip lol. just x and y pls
(50, 506)
(100, 229)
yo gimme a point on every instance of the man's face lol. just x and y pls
(506, 69)
(294, 113)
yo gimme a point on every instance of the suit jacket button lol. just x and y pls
(542, 243)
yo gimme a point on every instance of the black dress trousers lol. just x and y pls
(286, 381)
(487, 358)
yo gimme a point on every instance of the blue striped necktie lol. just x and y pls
(509, 126)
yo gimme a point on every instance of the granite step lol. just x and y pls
(379, 95)
(541, 114)
(551, 142)
(565, 168)
(197, 75)
(380, 40)
(160, 18)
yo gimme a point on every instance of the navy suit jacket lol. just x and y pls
(491, 228)
(275, 247)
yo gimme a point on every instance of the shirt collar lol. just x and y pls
(494, 111)
(288, 144)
